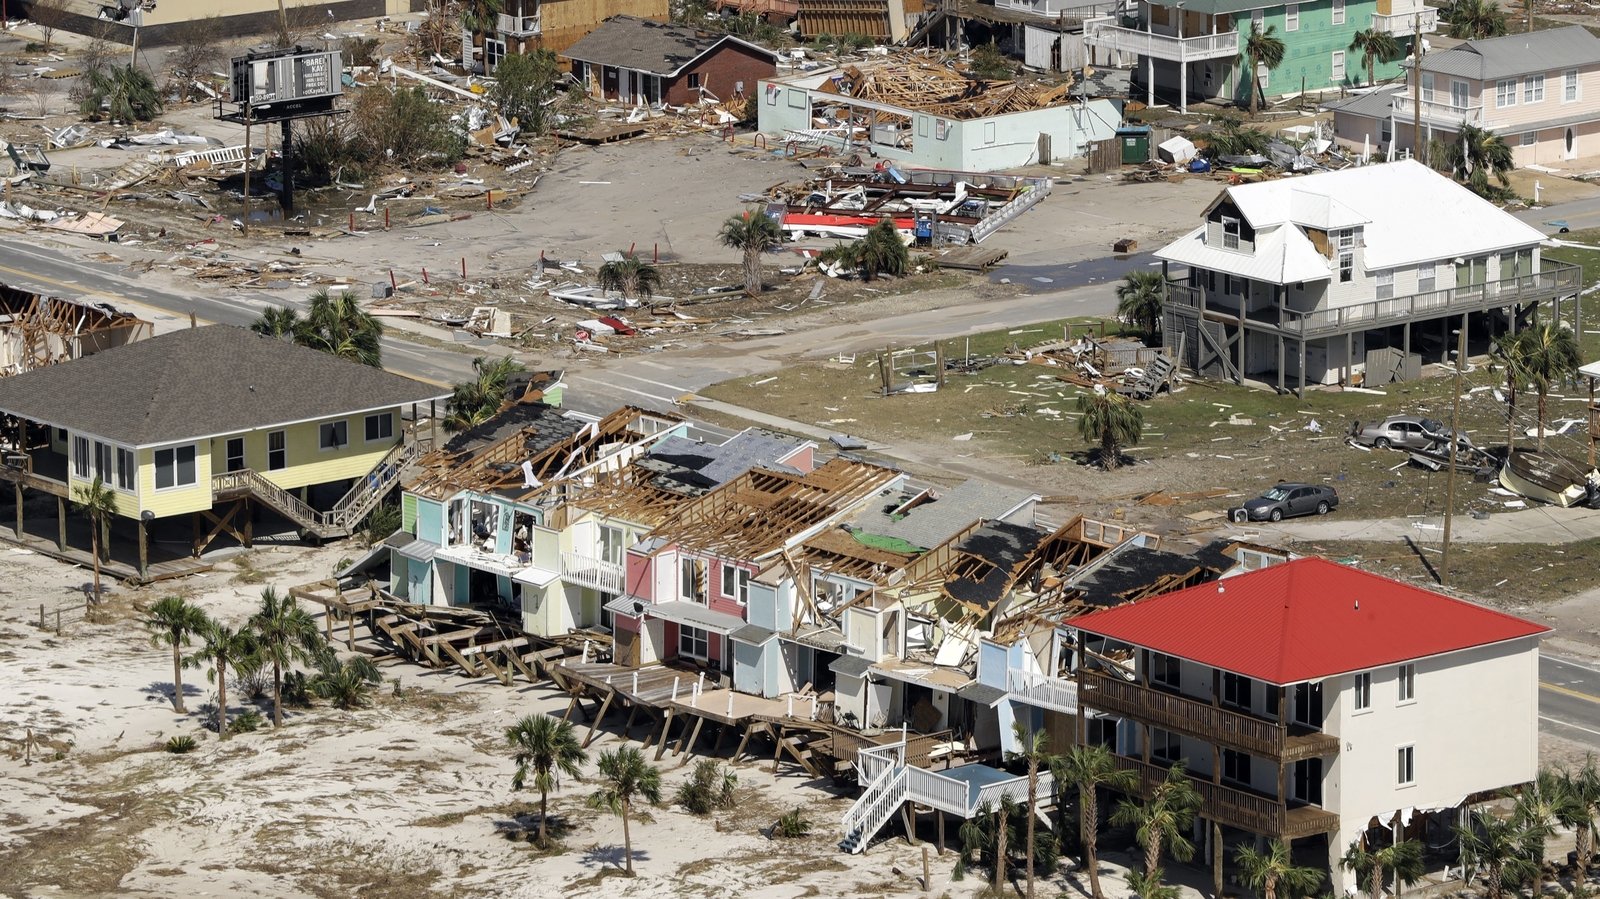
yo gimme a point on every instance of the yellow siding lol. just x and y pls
(127, 503)
(177, 500)
(307, 462)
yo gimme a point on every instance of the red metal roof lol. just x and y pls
(1304, 620)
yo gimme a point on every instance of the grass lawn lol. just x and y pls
(1588, 342)
(1524, 572)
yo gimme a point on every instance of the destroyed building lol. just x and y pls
(36, 330)
(636, 61)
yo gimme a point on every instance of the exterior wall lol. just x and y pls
(1550, 145)
(308, 463)
(175, 500)
(430, 521)
(731, 71)
(1454, 694)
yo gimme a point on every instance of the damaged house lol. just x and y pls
(36, 330)
(636, 61)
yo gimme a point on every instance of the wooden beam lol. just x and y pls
(666, 734)
(690, 736)
(595, 724)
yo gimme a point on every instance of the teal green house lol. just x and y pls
(1193, 49)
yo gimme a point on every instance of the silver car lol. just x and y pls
(1402, 432)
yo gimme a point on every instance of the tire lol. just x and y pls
(1277, 515)
(1381, 443)
(1322, 508)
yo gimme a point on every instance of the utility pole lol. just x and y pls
(249, 163)
(1455, 442)
(1417, 52)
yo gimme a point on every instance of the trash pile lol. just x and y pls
(1125, 366)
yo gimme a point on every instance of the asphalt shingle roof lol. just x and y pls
(199, 382)
(1492, 58)
(647, 46)
(931, 523)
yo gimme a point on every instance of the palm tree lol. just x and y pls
(882, 252)
(480, 17)
(1508, 349)
(1375, 47)
(98, 503)
(1478, 154)
(631, 277)
(285, 633)
(1002, 830)
(1266, 872)
(338, 325)
(1160, 822)
(752, 233)
(1035, 750)
(1501, 845)
(1139, 299)
(126, 94)
(1111, 420)
(1261, 48)
(277, 321)
(1403, 860)
(221, 646)
(345, 683)
(1089, 768)
(1542, 807)
(625, 778)
(548, 748)
(172, 621)
(1584, 785)
(476, 401)
(1546, 354)
(1471, 19)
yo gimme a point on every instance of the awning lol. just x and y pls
(923, 677)
(694, 615)
(536, 576)
(981, 694)
(626, 605)
(418, 550)
(827, 639)
(850, 666)
(753, 634)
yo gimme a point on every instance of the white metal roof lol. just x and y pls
(1283, 255)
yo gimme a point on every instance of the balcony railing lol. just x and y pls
(518, 26)
(1056, 693)
(1438, 112)
(596, 574)
(1404, 23)
(1202, 721)
(1108, 35)
(1555, 279)
(1238, 808)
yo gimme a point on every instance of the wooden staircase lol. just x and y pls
(345, 516)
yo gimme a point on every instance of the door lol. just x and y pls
(235, 460)
(1308, 705)
(1306, 785)
(625, 649)
(1458, 94)
(1302, 501)
(1570, 146)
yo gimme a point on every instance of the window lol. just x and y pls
(1425, 277)
(1427, 87)
(1533, 89)
(102, 462)
(277, 451)
(1236, 690)
(1233, 287)
(235, 454)
(1505, 92)
(493, 52)
(1338, 19)
(730, 577)
(127, 470)
(1569, 86)
(742, 592)
(1407, 769)
(1230, 232)
(1347, 256)
(1165, 745)
(1529, 138)
(1236, 766)
(1291, 17)
(1363, 691)
(1459, 94)
(694, 81)
(380, 427)
(1386, 284)
(175, 467)
(1338, 55)
(693, 642)
(691, 580)
(797, 98)
(611, 544)
(1408, 683)
(1164, 670)
(80, 457)
(1258, 19)
(334, 435)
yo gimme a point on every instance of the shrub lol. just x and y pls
(791, 825)
(708, 788)
(181, 745)
(245, 722)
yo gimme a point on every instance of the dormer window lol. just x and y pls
(1230, 233)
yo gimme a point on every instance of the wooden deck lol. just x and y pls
(971, 259)
(603, 133)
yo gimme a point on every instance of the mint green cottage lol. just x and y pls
(1193, 49)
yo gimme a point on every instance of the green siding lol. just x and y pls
(408, 513)
(1308, 51)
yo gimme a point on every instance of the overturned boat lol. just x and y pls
(1546, 477)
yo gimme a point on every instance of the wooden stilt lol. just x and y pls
(144, 548)
(650, 738)
(570, 706)
(777, 748)
(938, 818)
(666, 734)
(907, 821)
(743, 742)
(694, 737)
(595, 724)
(627, 727)
(722, 735)
(18, 487)
(61, 523)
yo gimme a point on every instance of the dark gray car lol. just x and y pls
(1287, 501)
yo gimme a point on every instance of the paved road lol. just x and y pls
(1569, 699)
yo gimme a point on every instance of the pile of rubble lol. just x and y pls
(1117, 364)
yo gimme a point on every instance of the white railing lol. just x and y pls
(1039, 189)
(1441, 113)
(935, 790)
(876, 806)
(1403, 23)
(597, 574)
(1016, 788)
(518, 26)
(1058, 693)
(1104, 33)
(872, 762)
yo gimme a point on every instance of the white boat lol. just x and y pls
(1545, 477)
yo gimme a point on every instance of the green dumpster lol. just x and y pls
(1135, 144)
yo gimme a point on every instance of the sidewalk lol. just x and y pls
(1539, 524)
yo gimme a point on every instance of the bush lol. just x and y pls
(710, 787)
(360, 51)
(296, 689)
(989, 64)
(402, 126)
(526, 89)
(383, 520)
(181, 745)
(246, 722)
(791, 825)
(123, 94)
